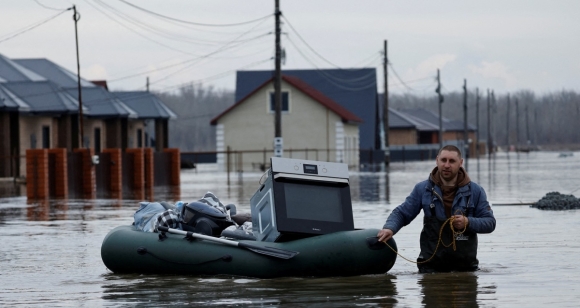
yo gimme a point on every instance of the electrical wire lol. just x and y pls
(28, 28)
(329, 78)
(307, 45)
(397, 75)
(139, 34)
(48, 7)
(155, 29)
(196, 23)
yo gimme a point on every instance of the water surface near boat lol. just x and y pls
(50, 252)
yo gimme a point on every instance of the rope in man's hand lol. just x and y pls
(439, 241)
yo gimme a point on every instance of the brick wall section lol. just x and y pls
(60, 175)
(138, 167)
(175, 165)
(89, 187)
(116, 172)
(149, 170)
(36, 173)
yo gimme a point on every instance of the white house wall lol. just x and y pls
(32, 125)
(308, 129)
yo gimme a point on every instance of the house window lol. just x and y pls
(46, 137)
(284, 107)
(139, 138)
(97, 140)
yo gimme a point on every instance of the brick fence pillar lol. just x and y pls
(60, 175)
(175, 166)
(138, 168)
(149, 170)
(89, 180)
(149, 173)
(116, 172)
(37, 173)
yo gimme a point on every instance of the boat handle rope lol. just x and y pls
(142, 251)
(440, 241)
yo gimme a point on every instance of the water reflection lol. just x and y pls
(374, 290)
(449, 289)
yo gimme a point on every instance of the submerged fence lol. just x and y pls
(129, 174)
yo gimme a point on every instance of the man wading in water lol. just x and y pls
(455, 208)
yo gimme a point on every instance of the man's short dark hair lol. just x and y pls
(450, 148)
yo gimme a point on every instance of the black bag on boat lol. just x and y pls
(205, 219)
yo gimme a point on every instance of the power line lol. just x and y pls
(397, 75)
(153, 28)
(48, 7)
(28, 28)
(196, 23)
(307, 45)
(333, 80)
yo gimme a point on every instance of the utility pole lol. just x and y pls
(488, 124)
(527, 127)
(386, 109)
(492, 128)
(278, 142)
(76, 18)
(517, 125)
(465, 137)
(508, 123)
(147, 84)
(438, 91)
(477, 121)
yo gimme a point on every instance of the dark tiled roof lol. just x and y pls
(346, 115)
(432, 120)
(353, 89)
(12, 71)
(317, 96)
(9, 101)
(147, 105)
(44, 97)
(102, 103)
(53, 72)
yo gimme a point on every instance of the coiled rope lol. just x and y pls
(455, 234)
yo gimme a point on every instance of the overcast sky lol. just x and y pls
(504, 45)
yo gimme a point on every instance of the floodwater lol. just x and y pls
(50, 252)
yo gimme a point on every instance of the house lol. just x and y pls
(125, 114)
(110, 124)
(353, 89)
(314, 126)
(153, 112)
(39, 108)
(419, 129)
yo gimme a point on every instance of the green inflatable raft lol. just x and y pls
(346, 253)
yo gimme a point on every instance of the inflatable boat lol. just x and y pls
(301, 220)
(127, 249)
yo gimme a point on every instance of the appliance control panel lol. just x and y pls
(309, 167)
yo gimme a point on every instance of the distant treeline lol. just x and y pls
(543, 120)
(540, 120)
(195, 106)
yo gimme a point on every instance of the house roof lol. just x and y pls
(316, 95)
(400, 120)
(12, 71)
(44, 96)
(102, 103)
(148, 105)
(431, 121)
(95, 95)
(53, 72)
(353, 89)
(10, 101)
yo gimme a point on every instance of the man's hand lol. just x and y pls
(460, 222)
(384, 235)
